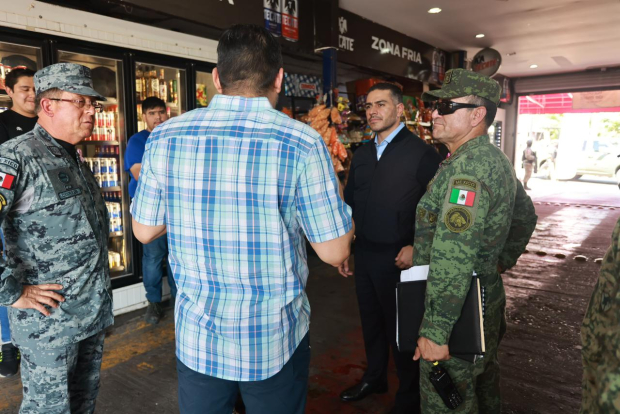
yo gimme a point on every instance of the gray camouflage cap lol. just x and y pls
(68, 77)
(461, 82)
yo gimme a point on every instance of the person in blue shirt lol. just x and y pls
(153, 253)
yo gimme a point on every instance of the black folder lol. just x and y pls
(467, 337)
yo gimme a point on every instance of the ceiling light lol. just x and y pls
(480, 35)
(434, 10)
(534, 66)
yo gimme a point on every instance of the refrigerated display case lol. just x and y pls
(15, 56)
(205, 89)
(163, 82)
(104, 153)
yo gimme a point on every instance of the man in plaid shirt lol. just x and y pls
(236, 186)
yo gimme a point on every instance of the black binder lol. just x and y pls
(467, 337)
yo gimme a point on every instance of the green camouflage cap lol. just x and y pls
(460, 82)
(68, 77)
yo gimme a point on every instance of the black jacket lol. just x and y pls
(384, 194)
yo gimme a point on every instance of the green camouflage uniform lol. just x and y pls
(600, 336)
(56, 228)
(459, 233)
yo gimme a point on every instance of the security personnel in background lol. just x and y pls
(474, 217)
(600, 337)
(55, 276)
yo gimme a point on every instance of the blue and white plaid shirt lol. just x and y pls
(238, 184)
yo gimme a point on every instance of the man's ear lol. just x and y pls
(277, 85)
(478, 116)
(400, 108)
(46, 108)
(9, 92)
(216, 80)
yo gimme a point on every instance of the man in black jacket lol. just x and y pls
(388, 177)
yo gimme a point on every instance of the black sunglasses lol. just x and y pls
(449, 107)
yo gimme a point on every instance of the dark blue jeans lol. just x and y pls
(153, 255)
(284, 393)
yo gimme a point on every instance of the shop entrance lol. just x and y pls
(576, 139)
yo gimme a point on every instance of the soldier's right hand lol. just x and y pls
(35, 296)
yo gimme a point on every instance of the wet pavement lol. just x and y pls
(547, 293)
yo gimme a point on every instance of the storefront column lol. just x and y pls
(330, 60)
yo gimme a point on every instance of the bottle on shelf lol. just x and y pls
(163, 88)
(154, 83)
(139, 83)
(175, 84)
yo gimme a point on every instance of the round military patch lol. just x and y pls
(64, 177)
(2, 201)
(458, 219)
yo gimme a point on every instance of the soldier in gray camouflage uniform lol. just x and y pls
(475, 216)
(55, 276)
(600, 336)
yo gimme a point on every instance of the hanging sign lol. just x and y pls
(486, 62)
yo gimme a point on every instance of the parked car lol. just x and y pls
(599, 158)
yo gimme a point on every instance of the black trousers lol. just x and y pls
(375, 282)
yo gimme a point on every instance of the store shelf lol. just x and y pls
(111, 188)
(116, 269)
(99, 142)
(116, 234)
(425, 124)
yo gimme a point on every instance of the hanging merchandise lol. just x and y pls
(319, 118)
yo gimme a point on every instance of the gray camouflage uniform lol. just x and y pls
(56, 228)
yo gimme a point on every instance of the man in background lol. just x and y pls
(529, 163)
(21, 118)
(237, 186)
(153, 253)
(18, 120)
(388, 177)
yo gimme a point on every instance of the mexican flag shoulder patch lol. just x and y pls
(462, 197)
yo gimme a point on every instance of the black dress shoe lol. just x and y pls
(362, 390)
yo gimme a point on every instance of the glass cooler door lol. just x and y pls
(205, 90)
(104, 153)
(163, 82)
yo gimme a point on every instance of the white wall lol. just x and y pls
(40, 17)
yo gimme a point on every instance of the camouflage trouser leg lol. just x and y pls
(601, 389)
(62, 380)
(477, 383)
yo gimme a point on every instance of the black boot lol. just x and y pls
(153, 313)
(9, 360)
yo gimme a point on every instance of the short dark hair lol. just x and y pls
(490, 107)
(152, 102)
(50, 93)
(248, 58)
(396, 92)
(13, 77)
